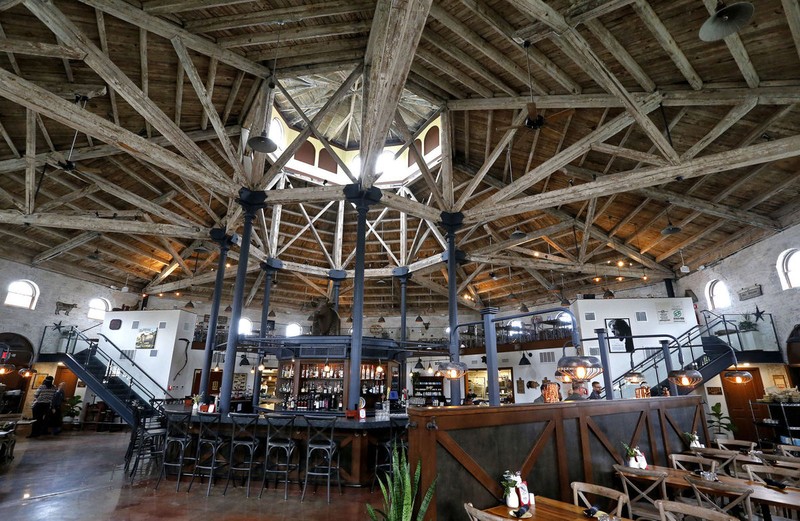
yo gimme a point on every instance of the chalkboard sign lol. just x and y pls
(751, 292)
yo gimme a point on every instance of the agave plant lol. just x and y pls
(400, 491)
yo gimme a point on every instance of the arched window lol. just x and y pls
(431, 140)
(789, 268)
(245, 326)
(717, 295)
(355, 166)
(294, 329)
(22, 294)
(277, 135)
(98, 308)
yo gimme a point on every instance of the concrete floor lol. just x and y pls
(79, 476)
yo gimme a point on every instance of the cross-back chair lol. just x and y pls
(580, 490)
(648, 486)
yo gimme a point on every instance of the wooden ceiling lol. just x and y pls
(123, 124)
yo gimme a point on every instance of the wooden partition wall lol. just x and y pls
(552, 444)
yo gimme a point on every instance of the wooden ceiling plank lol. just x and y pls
(621, 54)
(586, 225)
(55, 220)
(659, 30)
(731, 118)
(413, 149)
(320, 136)
(46, 50)
(39, 100)
(566, 156)
(254, 288)
(145, 74)
(295, 34)
(442, 83)
(208, 108)
(279, 15)
(179, 81)
(465, 60)
(792, 11)
(425, 90)
(9, 142)
(232, 95)
(124, 11)
(302, 230)
(67, 198)
(728, 160)
(310, 283)
(110, 72)
(64, 247)
(277, 209)
(30, 155)
(290, 149)
(529, 237)
(320, 242)
(446, 167)
(13, 199)
(338, 238)
(627, 153)
(393, 40)
(176, 6)
(491, 159)
(546, 264)
(499, 23)
(454, 72)
(101, 31)
(383, 243)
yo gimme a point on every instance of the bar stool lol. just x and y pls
(243, 435)
(147, 439)
(211, 441)
(279, 438)
(177, 438)
(320, 451)
(384, 450)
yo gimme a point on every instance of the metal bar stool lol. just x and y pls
(321, 450)
(243, 436)
(279, 439)
(384, 450)
(148, 439)
(178, 439)
(209, 444)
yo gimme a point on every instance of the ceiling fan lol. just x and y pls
(534, 120)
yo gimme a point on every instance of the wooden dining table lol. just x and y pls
(768, 496)
(546, 509)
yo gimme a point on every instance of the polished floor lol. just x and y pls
(79, 476)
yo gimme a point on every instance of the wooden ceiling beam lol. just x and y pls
(54, 220)
(792, 10)
(738, 51)
(30, 158)
(45, 50)
(579, 12)
(295, 33)
(394, 37)
(453, 71)
(607, 185)
(64, 247)
(430, 182)
(621, 54)
(546, 264)
(440, 82)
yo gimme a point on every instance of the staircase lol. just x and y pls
(107, 371)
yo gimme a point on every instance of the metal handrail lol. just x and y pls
(148, 395)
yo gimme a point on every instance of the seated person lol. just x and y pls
(578, 392)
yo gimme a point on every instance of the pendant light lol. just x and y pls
(327, 367)
(453, 370)
(379, 369)
(670, 229)
(272, 314)
(726, 20)
(429, 370)
(685, 377)
(633, 376)
(580, 368)
(524, 360)
(7, 369)
(737, 376)
(244, 360)
(27, 372)
(262, 143)
(419, 365)
(189, 305)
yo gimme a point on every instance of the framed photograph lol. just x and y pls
(779, 380)
(617, 329)
(80, 384)
(714, 390)
(38, 379)
(146, 338)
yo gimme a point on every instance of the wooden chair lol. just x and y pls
(788, 450)
(721, 497)
(647, 485)
(580, 489)
(740, 445)
(476, 515)
(776, 460)
(764, 473)
(724, 458)
(692, 463)
(666, 509)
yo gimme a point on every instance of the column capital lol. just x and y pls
(490, 311)
(271, 264)
(224, 240)
(451, 221)
(363, 199)
(251, 200)
(402, 273)
(337, 275)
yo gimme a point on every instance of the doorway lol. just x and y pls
(738, 397)
(214, 382)
(64, 374)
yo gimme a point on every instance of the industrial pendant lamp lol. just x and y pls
(6, 369)
(244, 360)
(737, 376)
(327, 367)
(27, 372)
(419, 319)
(670, 229)
(523, 308)
(379, 369)
(524, 360)
(685, 377)
(272, 314)
(453, 370)
(429, 370)
(726, 21)
(419, 365)
(189, 305)
(580, 368)
(262, 143)
(633, 376)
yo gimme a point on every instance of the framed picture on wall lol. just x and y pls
(779, 380)
(146, 338)
(38, 379)
(616, 328)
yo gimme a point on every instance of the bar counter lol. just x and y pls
(355, 436)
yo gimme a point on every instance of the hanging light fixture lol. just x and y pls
(523, 308)
(350, 319)
(189, 305)
(216, 366)
(670, 229)
(580, 368)
(524, 360)
(429, 370)
(737, 376)
(7, 369)
(633, 376)
(419, 365)
(381, 319)
(726, 21)
(272, 314)
(327, 367)
(27, 372)
(244, 360)
(419, 319)
(379, 369)
(685, 377)
(262, 143)
(562, 377)
(453, 370)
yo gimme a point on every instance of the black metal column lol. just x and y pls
(270, 266)
(251, 202)
(336, 277)
(602, 341)
(673, 389)
(490, 336)
(362, 200)
(403, 275)
(224, 241)
(451, 222)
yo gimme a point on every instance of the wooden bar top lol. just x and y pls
(546, 509)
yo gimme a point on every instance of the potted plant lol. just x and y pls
(635, 456)
(720, 422)
(510, 483)
(72, 409)
(693, 439)
(400, 491)
(746, 324)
